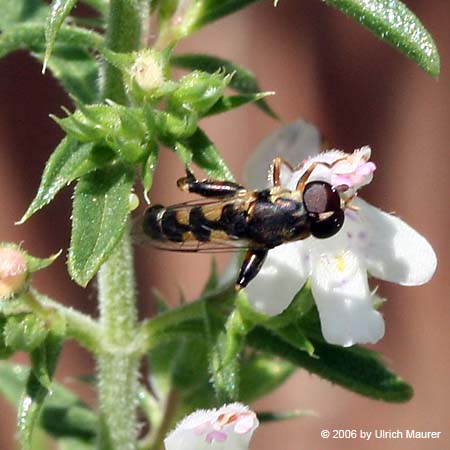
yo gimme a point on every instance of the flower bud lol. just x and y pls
(147, 71)
(13, 272)
(198, 91)
(24, 332)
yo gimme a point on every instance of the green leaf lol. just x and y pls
(357, 369)
(74, 444)
(100, 211)
(206, 156)
(70, 160)
(283, 415)
(179, 363)
(102, 6)
(59, 10)
(149, 166)
(225, 355)
(262, 374)
(31, 37)
(63, 415)
(19, 11)
(242, 81)
(212, 10)
(394, 23)
(34, 264)
(227, 103)
(38, 383)
(12, 381)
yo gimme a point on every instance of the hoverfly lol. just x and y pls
(257, 220)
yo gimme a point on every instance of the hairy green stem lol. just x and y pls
(118, 364)
(123, 34)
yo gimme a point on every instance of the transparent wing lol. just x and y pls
(294, 143)
(231, 246)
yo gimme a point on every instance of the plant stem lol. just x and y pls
(118, 365)
(123, 34)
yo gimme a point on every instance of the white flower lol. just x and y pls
(227, 428)
(371, 242)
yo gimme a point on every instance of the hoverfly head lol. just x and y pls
(323, 204)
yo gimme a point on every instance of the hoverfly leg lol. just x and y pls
(208, 187)
(276, 170)
(253, 261)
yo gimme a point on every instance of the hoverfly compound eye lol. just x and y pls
(320, 197)
(323, 203)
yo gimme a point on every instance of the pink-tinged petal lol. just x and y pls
(295, 142)
(283, 274)
(344, 301)
(245, 423)
(216, 435)
(395, 251)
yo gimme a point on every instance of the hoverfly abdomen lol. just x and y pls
(233, 221)
(199, 225)
(162, 224)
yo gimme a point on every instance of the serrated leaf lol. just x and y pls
(206, 156)
(59, 10)
(38, 384)
(243, 80)
(100, 211)
(19, 11)
(355, 368)
(212, 10)
(394, 23)
(70, 160)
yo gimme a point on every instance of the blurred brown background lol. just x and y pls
(330, 71)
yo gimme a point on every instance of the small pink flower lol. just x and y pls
(227, 428)
(13, 271)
